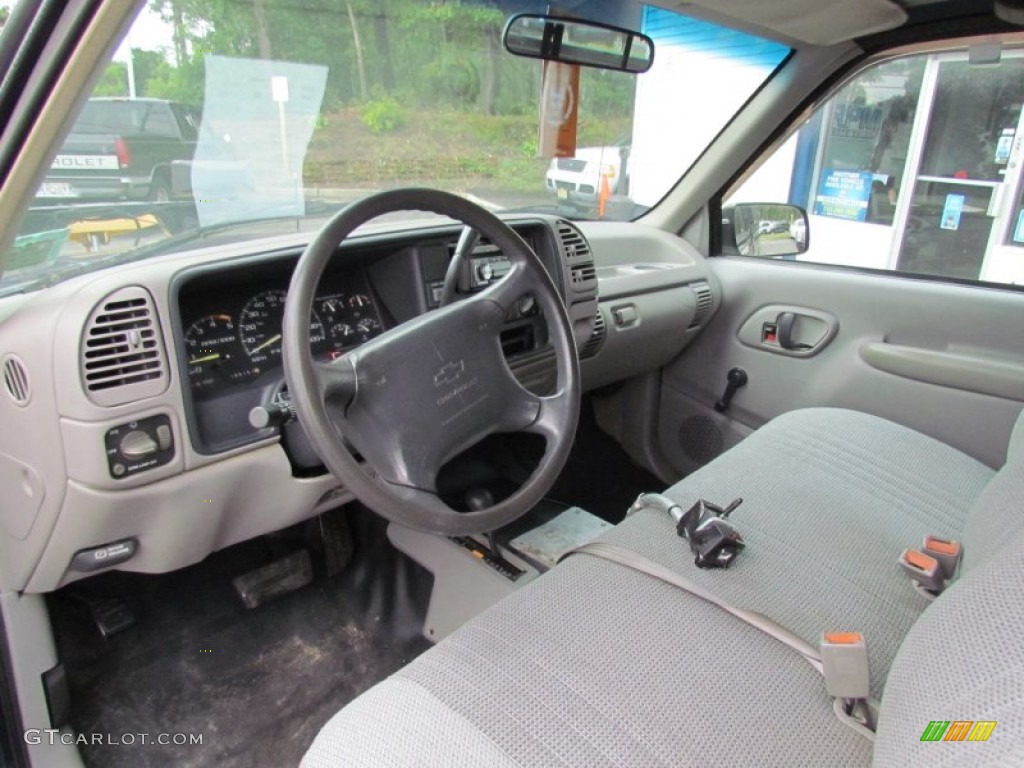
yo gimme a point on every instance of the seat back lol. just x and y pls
(997, 515)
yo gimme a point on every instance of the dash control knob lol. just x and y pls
(136, 445)
(139, 446)
(485, 272)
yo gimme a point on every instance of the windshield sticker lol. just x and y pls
(844, 195)
(951, 212)
(258, 119)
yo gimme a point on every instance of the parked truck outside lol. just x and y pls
(122, 149)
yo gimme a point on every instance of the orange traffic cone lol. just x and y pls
(603, 194)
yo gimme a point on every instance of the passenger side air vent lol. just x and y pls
(122, 354)
(704, 302)
(16, 380)
(593, 345)
(582, 274)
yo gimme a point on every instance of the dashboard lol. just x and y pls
(130, 445)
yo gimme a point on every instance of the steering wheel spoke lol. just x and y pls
(507, 291)
(547, 422)
(337, 381)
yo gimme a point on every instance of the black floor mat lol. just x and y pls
(256, 685)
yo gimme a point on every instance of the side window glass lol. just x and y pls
(913, 166)
(160, 122)
(188, 121)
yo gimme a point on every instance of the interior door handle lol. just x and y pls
(784, 323)
(789, 329)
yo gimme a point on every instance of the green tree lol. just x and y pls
(114, 81)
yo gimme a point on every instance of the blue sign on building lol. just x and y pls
(844, 194)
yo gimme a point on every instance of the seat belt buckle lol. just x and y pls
(946, 551)
(923, 569)
(844, 661)
(713, 540)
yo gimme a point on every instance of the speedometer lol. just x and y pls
(259, 326)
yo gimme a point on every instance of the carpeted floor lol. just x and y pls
(256, 684)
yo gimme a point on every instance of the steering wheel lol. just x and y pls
(419, 394)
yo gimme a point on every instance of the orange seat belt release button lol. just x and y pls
(844, 661)
(923, 569)
(946, 551)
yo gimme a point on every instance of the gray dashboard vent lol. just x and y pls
(704, 302)
(16, 380)
(582, 274)
(593, 345)
(122, 353)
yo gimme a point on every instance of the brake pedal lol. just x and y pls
(110, 614)
(274, 579)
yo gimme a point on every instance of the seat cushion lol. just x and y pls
(595, 664)
(830, 500)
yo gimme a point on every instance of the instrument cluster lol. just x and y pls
(232, 337)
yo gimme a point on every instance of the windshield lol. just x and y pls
(214, 116)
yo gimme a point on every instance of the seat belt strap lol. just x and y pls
(864, 725)
(757, 620)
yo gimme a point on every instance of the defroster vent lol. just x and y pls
(702, 291)
(123, 357)
(593, 345)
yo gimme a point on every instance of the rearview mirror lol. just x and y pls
(772, 230)
(574, 41)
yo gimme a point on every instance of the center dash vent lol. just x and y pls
(582, 274)
(702, 291)
(593, 345)
(122, 354)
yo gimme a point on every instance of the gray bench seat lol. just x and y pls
(597, 664)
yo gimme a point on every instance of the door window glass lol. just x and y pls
(914, 165)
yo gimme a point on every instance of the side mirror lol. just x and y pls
(574, 41)
(769, 230)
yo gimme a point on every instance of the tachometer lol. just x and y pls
(259, 325)
(211, 343)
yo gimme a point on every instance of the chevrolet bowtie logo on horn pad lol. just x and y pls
(449, 372)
